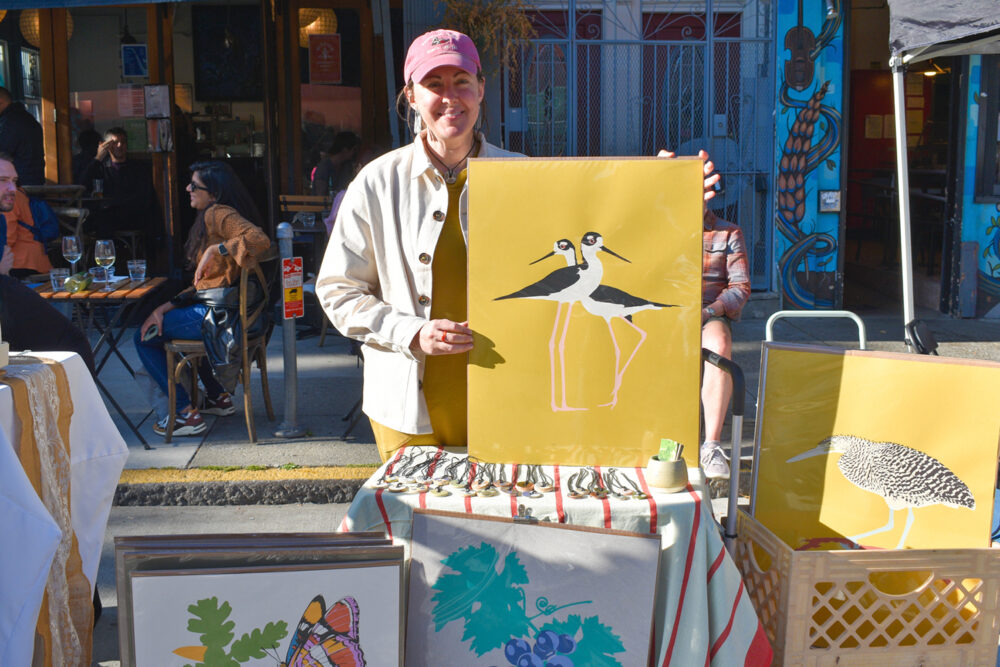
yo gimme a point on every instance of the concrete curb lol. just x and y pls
(256, 492)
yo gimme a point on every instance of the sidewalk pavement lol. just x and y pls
(327, 465)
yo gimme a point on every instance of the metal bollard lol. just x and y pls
(289, 428)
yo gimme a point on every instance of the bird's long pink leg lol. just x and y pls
(620, 374)
(642, 339)
(552, 359)
(562, 359)
(618, 357)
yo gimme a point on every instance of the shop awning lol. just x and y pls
(922, 29)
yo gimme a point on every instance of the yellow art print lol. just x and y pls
(585, 298)
(875, 449)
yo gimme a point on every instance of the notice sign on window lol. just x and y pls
(291, 282)
(324, 59)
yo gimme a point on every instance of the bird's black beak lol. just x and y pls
(612, 252)
(541, 258)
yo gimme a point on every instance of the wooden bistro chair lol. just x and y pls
(188, 354)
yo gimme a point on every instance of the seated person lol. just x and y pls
(27, 253)
(336, 166)
(129, 201)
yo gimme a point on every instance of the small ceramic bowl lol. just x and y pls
(671, 476)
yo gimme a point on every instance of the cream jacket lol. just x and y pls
(375, 282)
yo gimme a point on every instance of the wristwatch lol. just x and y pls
(710, 311)
(222, 249)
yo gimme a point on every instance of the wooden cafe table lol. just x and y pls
(703, 613)
(122, 302)
(60, 460)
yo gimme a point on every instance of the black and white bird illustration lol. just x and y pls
(905, 478)
(565, 286)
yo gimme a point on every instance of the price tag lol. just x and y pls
(291, 283)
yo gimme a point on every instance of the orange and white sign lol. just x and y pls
(291, 283)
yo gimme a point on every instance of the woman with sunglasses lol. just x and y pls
(226, 236)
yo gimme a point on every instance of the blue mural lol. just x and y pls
(810, 97)
(980, 221)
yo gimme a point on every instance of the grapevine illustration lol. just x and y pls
(492, 605)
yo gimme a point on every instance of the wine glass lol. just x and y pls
(104, 257)
(71, 250)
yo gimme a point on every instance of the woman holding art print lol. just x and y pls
(226, 236)
(394, 273)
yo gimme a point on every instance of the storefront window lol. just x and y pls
(4, 69)
(31, 77)
(330, 95)
(988, 156)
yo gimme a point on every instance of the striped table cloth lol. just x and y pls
(703, 613)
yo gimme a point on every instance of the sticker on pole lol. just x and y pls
(291, 283)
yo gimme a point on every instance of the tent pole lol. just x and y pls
(903, 190)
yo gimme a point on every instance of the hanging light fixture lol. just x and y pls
(307, 16)
(3, 13)
(32, 30)
(325, 23)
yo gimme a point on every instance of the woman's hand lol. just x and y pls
(708, 169)
(443, 337)
(155, 317)
(210, 251)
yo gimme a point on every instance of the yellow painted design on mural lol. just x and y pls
(583, 365)
(887, 450)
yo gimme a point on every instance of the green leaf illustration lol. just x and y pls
(595, 641)
(252, 645)
(489, 602)
(215, 631)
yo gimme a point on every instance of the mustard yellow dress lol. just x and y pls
(445, 380)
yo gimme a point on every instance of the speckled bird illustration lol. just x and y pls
(905, 478)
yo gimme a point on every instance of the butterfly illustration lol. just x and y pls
(327, 637)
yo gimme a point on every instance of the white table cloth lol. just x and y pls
(30, 535)
(703, 613)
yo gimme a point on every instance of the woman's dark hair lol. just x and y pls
(225, 186)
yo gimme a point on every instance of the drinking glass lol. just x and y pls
(71, 250)
(104, 256)
(137, 270)
(58, 278)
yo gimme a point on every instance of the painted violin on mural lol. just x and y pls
(799, 67)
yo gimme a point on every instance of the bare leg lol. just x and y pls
(562, 360)
(716, 385)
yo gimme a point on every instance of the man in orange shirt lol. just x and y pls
(28, 254)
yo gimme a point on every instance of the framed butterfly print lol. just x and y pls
(140, 553)
(345, 614)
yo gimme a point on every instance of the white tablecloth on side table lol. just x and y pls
(703, 613)
(30, 535)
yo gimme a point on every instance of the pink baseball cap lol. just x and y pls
(437, 48)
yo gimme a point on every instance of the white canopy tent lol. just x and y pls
(920, 30)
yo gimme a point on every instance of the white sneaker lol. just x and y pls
(713, 461)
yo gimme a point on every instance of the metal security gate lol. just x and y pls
(631, 77)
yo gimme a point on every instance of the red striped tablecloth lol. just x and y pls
(703, 613)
